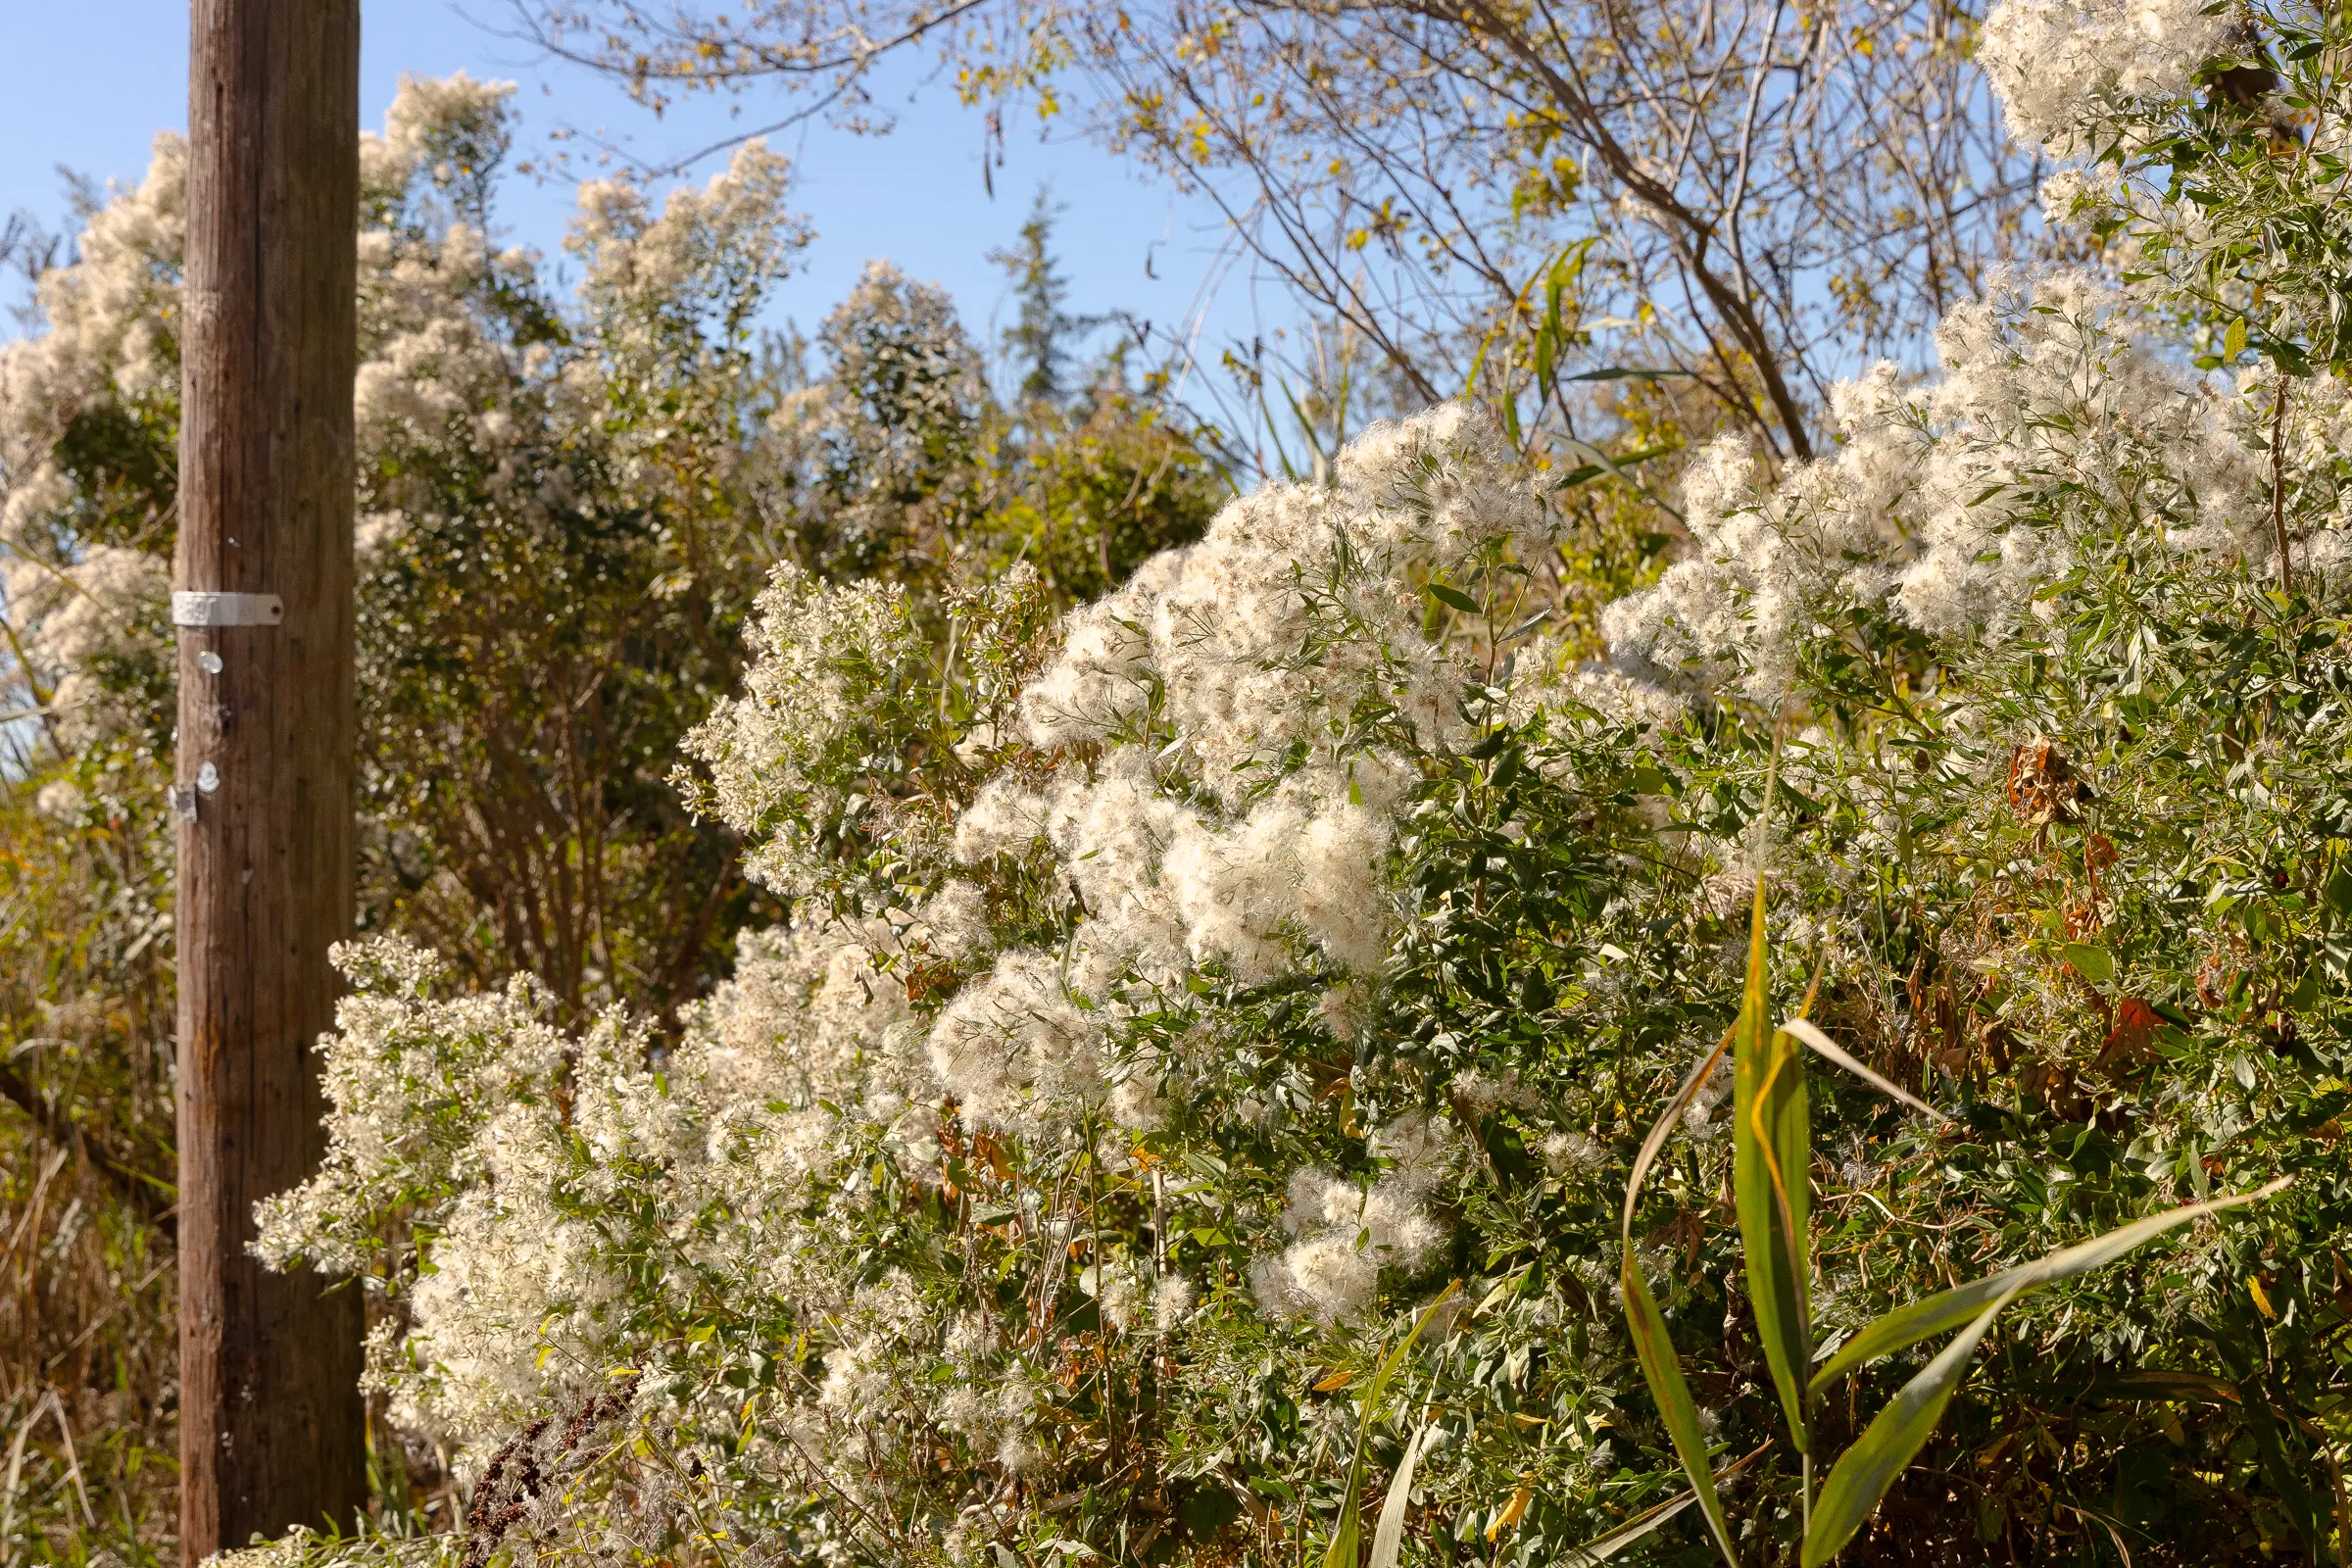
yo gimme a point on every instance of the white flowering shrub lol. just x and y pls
(550, 576)
(1949, 507)
(570, 500)
(814, 741)
(1176, 1003)
(1017, 1112)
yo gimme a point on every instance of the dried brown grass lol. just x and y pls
(88, 1439)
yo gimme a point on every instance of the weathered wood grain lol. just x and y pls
(271, 1419)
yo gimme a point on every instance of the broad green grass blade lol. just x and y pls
(1823, 1046)
(1866, 1470)
(1660, 1367)
(1388, 1537)
(1343, 1540)
(1771, 1149)
(1932, 1315)
(1663, 1370)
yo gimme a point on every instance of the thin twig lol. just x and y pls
(134, 1188)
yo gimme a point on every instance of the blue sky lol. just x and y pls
(87, 85)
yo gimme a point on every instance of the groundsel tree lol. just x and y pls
(1185, 998)
(569, 501)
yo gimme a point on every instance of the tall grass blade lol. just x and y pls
(1663, 1370)
(1388, 1537)
(1865, 1471)
(1641, 1526)
(1348, 1535)
(1346, 1539)
(1827, 1049)
(1932, 1315)
(1660, 1367)
(1771, 1149)
(1394, 1362)
(1637, 1529)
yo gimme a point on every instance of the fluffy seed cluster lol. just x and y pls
(1215, 765)
(1950, 505)
(2061, 64)
(794, 761)
(1348, 1233)
(1238, 726)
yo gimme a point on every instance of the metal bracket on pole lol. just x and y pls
(226, 610)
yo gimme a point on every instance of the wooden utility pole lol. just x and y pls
(271, 1423)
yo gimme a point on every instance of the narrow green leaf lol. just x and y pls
(1620, 469)
(1865, 1471)
(1660, 1367)
(1477, 363)
(1622, 374)
(1388, 1537)
(1931, 1315)
(1641, 1526)
(1585, 473)
(1394, 1362)
(1447, 594)
(1771, 1146)
(1804, 1029)
(1342, 1553)
(1663, 1370)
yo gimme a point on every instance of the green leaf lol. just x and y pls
(1639, 1528)
(1660, 1367)
(1343, 1539)
(1866, 1470)
(2094, 964)
(1926, 1318)
(1394, 1362)
(1621, 375)
(1663, 1370)
(1585, 473)
(1447, 594)
(2234, 341)
(1771, 1149)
